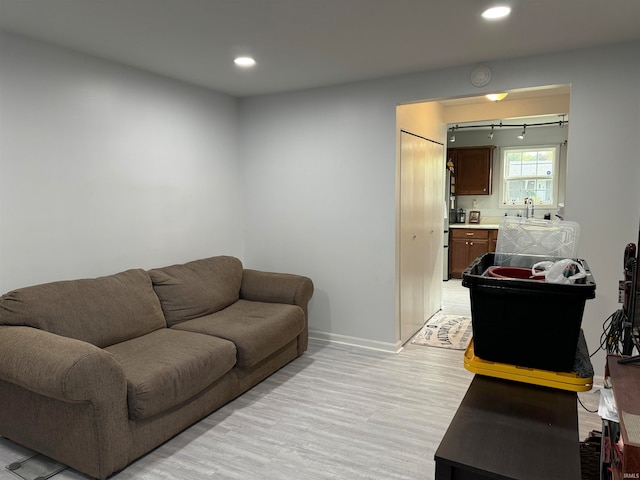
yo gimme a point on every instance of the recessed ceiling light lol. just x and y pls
(494, 13)
(244, 62)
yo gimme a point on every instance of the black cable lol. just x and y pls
(603, 337)
(582, 405)
(610, 340)
(612, 333)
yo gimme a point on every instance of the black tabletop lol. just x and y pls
(511, 430)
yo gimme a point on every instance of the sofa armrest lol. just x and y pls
(285, 288)
(276, 288)
(59, 367)
(64, 398)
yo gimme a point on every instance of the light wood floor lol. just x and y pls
(337, 412)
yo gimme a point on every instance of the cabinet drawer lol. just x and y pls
(469, 233)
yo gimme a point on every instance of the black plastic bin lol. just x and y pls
(523, 322)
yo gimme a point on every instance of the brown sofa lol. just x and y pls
(97, 372)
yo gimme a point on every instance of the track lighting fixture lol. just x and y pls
(493, 126)
(524, 131)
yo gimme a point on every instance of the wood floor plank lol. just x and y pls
(338, 412)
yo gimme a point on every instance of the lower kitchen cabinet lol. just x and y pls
(493, 240)
(467, 244)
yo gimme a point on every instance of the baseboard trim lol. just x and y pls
(326, 337)
(598, 381)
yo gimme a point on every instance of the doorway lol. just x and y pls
(543, 113)
(435, 116)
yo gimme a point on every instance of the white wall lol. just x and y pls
(320, 179)
(603, 169)
(104, 168)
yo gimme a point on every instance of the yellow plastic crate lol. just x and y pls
(545, 378)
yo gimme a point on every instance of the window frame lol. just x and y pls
(506, 205)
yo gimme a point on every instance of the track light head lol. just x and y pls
(491, 133)
(524, 131)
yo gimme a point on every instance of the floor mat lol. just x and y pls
(37, 467)
(445, 331)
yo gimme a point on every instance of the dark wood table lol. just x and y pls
(510, 430)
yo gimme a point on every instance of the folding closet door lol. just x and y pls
(421, 216)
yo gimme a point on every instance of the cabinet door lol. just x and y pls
(493, 240)
(477, 248)
(465, 245)
(458, 254)
(474, 168)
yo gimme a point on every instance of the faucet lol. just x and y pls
(528, 204)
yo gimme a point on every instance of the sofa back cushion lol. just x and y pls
(197, 288)
(101, 311)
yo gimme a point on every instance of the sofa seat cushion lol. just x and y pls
(197, 288)
(101, 311)
(257, 329)
(167, 367)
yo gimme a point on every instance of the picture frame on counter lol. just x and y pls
(474, 216)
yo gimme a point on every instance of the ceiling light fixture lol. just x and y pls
(244, 61)
(452, 138)
(496, 97)
(495, 13)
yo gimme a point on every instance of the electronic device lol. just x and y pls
(631, 304)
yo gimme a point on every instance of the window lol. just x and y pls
(530, 172)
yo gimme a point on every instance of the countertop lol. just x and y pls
(483, 226)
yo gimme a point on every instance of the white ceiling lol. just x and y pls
(301, 44)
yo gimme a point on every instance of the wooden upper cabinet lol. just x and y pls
(473, 168)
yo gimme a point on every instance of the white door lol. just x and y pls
(421, 225)
(434, 193)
